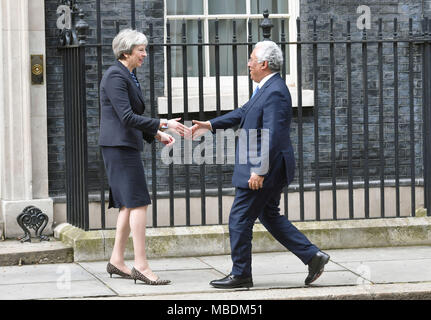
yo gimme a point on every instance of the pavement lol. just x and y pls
(366, 273)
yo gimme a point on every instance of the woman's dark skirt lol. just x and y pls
(126, 177)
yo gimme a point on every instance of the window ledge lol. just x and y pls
(226, 101)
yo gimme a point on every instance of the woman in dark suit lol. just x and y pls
(122, 129)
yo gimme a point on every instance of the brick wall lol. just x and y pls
(341, 12)
(152, 11)
(111, 11)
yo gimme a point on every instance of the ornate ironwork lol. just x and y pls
(81, 28)
(73, 31)
(32, 218)
(266, 25)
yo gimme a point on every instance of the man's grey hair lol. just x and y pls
(126, 40)
(269, 51)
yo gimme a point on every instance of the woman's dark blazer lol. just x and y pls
(122, 106)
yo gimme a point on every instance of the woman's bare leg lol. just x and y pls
(138, 222)
(121, 236)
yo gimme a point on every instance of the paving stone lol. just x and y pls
(276, 275)
(42, 273)
(165, 264)
(380, 254)
(266, 263)
(182, 281)
(393, 271)
(296, 280)
(54, 290)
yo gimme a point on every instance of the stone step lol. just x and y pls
(163, 242)
(13, 252)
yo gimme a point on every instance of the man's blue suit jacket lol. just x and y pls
(270, 108)
(122, 106)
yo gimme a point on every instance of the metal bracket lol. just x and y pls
(32, 218)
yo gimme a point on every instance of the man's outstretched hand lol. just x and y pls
(199, 128)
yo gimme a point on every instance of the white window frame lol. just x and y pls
(226, 82)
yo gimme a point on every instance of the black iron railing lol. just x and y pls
(75, 122)
(343, 165)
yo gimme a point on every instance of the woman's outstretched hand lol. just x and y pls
(165, 138)
(178, 127)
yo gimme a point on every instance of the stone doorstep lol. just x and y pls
(214, 240)
(13, 252)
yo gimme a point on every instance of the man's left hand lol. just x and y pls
(255, 182)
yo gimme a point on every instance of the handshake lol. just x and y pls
(199, 128)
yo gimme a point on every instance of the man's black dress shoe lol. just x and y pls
(232, 281)
(316, 266)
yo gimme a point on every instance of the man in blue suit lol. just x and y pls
(266, 117)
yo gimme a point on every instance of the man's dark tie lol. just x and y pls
(135, 79)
